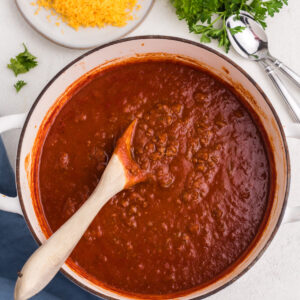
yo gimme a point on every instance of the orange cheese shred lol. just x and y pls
(91, 13)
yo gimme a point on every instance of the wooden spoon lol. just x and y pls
(120, 173)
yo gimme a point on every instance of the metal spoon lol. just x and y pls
(252, 43)
(121, 173)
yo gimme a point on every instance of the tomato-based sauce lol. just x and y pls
(208, 184)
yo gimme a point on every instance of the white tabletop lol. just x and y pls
(276, 275)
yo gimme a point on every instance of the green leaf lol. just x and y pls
(273, 6)
(23, 62)
(199, 28)
(205, 38)
(16, 66)
(19, 84)
(237, 29)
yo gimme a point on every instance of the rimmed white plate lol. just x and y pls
(84, 38)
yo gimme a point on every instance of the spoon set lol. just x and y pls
(252, 43)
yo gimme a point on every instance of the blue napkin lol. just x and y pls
(17, 244)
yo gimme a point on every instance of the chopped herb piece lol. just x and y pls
(23, 62)
(19, 84)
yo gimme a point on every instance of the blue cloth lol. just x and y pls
(17, 244)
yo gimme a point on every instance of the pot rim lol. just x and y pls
(149, 37)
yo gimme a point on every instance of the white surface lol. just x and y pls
(276, 275)
(84, 37)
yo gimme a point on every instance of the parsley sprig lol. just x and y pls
(20, 64)
(207, 17)
(23, 62)
(19, 84)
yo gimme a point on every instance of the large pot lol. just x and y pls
(139, 46)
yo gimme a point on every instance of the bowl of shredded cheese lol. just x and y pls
(84, 24)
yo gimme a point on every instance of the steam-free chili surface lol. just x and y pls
(208, 189)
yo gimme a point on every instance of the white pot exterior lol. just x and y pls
(217, 64)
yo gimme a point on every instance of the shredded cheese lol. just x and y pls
(91, 13)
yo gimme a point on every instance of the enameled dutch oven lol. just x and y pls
(139, 47)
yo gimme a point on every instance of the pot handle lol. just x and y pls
(292, 131)
(11, 204)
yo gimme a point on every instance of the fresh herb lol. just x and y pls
(207, 17)
(23, 62)
(19, 84)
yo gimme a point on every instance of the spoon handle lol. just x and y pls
(46, 261)
(286, 70)
(291, 102)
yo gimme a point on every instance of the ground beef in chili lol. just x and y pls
(208, 191)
